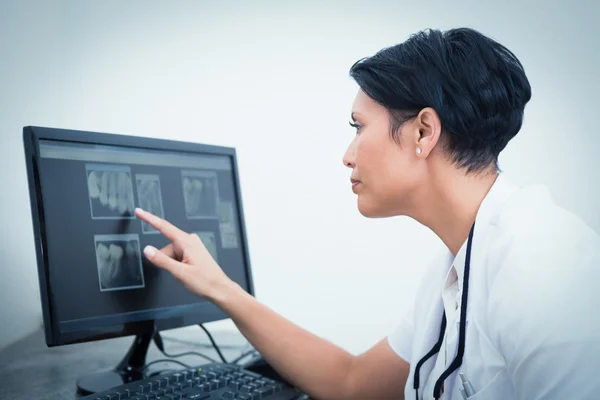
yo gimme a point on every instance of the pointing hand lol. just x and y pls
(186, 258)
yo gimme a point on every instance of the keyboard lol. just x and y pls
(208, 382)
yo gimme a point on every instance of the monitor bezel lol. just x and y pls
(32, 135)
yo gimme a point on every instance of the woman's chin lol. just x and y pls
(368, 208)
(373, 209)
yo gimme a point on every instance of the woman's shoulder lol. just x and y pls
(542, 293)
(537, 243)
(532, 222)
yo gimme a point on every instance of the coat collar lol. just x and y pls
(502, 189)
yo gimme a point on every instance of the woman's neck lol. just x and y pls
(449, 205)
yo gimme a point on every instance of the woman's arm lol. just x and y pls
(314, 365)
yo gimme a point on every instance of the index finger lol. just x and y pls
(169, 230)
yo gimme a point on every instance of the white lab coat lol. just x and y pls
(533, 323)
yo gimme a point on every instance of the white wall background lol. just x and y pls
(258, 75)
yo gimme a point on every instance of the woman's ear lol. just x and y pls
(429, 129)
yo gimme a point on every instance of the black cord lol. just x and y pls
(244, 355)
(158, 340)
(431, 353)
(457, 362)
(164, 360)
(193, 353)
(160, 372)
(213, 343)
(207, 345)
(189, 353)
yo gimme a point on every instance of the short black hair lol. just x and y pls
(476, 85)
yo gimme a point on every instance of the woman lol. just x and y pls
(507, 312)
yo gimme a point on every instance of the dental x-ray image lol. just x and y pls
(209, 241)
(201, 194)
(149, 198)
(119, 262)
(110, 191)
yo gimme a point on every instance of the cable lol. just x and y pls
(206, 345)
(244, 355)
(161, 347)
(213, 343)
(164, 360)
(247, 350)
(189, 353)
(160, 372)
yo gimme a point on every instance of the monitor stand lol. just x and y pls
(128, 370)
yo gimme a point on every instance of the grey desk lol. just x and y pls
(31, 370)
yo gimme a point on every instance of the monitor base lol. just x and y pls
(102, 381)
(130, 369)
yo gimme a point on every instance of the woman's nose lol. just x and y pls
(349, 159)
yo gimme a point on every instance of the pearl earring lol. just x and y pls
(418, 150)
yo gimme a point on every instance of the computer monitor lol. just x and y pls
(94, 281)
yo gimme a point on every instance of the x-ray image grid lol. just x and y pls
(200, 193)
(209, 241)
(119, 262)
(227, 225)
(149, 198)
(110, 191)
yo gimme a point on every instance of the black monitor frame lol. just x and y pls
(54, 337)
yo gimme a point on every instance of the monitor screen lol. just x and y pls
(95, 273)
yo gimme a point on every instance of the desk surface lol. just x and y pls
(31, 370)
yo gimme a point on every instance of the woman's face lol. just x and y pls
(387, 172)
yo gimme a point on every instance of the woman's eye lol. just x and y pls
(355, 126)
